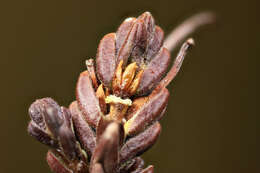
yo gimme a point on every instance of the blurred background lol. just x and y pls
(211, 120)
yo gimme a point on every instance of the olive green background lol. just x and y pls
(211, 121)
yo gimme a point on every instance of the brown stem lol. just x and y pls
(177, 63)
(186, 28)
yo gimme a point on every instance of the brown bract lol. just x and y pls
(119, 100)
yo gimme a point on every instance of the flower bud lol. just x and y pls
(46, 120)
(57, 163)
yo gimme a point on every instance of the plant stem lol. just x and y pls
(187, 27)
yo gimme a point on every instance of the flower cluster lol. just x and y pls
(119, 100)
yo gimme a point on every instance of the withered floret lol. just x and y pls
(119, 100)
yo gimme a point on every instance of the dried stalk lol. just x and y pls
(187, 27)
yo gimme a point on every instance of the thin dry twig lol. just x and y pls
(187, 27)
(177, 63)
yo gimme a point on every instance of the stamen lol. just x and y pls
(128, 75)
(92, 73)
(133, 87)
(101, 98)
(116, 84)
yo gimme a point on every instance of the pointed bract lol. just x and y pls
(87, 100)
(106, 60)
